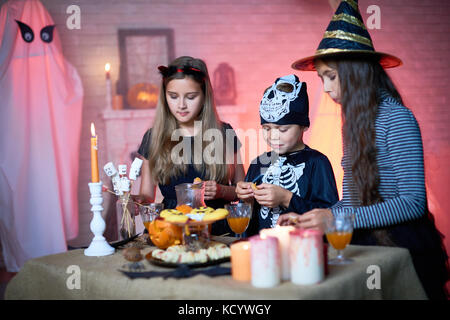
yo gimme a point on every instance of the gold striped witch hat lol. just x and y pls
(346, 35)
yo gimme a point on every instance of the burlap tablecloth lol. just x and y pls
(47, 278)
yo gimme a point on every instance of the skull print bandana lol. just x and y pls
(283, 108)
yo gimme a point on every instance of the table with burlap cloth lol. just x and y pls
(51, 277)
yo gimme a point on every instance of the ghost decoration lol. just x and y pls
(41, 103)
(112, 172)
(135, 169)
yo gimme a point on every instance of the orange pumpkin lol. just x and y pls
(164, 234)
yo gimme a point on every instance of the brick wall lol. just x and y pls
(260, 39)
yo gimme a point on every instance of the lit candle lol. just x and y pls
(108, 86)
(282, 233)
(265, 261)
(240, 261)
(306, 256)
(107, 69)
(94, 155)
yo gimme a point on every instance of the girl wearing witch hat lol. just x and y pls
(384, 180)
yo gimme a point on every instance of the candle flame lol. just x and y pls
(92, 129)
(263, 236)
(107, 67)
(245, 247)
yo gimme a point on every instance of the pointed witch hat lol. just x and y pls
(346, 36)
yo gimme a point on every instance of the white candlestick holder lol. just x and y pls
(99, 246)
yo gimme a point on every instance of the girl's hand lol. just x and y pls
(270, 195)
(212, 190)
(244, 190)
(315, 219)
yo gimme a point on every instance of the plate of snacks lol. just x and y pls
(199, 216)
(174, 256)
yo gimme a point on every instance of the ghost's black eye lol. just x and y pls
(27, 33)
(47, 34)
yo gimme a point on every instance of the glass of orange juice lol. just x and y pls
(239, 217)
(149, 212)
(339, 234)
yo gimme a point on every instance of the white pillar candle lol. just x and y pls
(265, 261)
(282, 233)
(108, 87)
(306, 256)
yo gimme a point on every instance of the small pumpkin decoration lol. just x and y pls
(164, 234)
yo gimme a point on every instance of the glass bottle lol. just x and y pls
(125, 217)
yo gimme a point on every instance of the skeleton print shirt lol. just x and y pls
(306, 173)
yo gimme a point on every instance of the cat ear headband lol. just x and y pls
(187, 70)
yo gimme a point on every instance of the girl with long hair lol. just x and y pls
(384, 179)
(177, 150)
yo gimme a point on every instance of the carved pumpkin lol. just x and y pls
(164, 234)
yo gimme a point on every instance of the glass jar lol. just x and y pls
(191, 194)
(196, 237)
(125, 211)
(149, 212)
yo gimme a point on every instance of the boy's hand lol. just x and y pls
(270, 195)
(244, 190)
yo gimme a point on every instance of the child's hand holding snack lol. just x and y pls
(244, 190)
(272, 196)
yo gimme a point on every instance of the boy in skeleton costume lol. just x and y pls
(292, 177)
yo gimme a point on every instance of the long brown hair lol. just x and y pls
(161, 145)
(361, 81)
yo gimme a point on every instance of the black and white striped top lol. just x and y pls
(401, 170)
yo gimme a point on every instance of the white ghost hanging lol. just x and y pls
(40, 127)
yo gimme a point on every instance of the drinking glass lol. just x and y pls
(150, 212)
(339, 233)
(239, 217)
